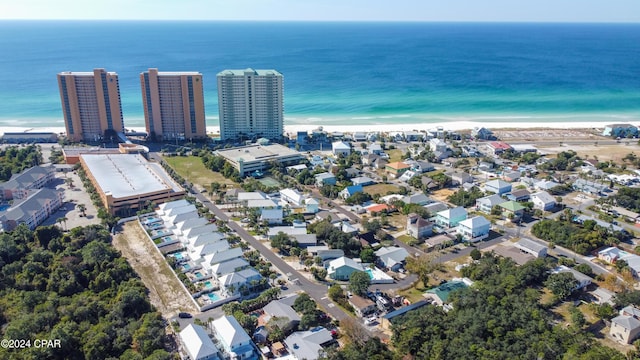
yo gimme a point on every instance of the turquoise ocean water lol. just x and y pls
(343, 73)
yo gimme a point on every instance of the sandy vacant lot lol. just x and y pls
(601, 152)
(165, 290)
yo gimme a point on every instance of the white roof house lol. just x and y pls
(341, 268)
(271, 216)
(543, 200)
(172, 204)
(204, 229)
(474, 229)
(169, 213)
(232, 283)
(177, 218)
(254, 195)
(392, 256)
(261, 204)
(197, 343)
(211, 248)
(582, 279)
(233, 339)
(227, 267)
(291, 196)
(203, 239)
(340, 147)
(308, 344)
(497, 186)
(191, 222)
(485, 204)
(531, 247)
(222, 256)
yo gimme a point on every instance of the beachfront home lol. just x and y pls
(451, 217)
(498, 147)
(543, 200)
(340, 148)
(620, 130)
(481, 133)
(418, 227)
(474, 229)
(342, 268)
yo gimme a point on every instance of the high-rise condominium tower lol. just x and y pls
(250, 104)
(90, 104)
(173, 105)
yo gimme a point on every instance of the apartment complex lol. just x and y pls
(250, 104)
(90, 104)
(173, 105)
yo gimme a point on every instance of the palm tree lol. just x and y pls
(69, 182)
(82, 208)
(61, 220)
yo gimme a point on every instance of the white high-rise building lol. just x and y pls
(250, 104)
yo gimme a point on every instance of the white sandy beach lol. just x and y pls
(451, 126)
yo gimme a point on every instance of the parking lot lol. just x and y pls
(74, 195)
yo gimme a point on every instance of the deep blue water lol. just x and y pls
(336, 72)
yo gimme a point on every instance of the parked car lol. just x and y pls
(184, 315)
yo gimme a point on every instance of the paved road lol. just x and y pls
(317, 291)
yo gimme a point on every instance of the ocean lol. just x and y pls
(342, 73)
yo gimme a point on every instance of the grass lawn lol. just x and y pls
(192, 169)
(412, 294)
(407, 239)
(394, 155)
(381, 189)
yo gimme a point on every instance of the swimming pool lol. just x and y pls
(370, 272)
(213, 297)
(4, 207)
(178, 256)
(208, 284)
(186, 267)
(199, 275)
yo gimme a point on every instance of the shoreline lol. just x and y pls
(450, 126)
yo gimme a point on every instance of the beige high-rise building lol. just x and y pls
(173, 105)
(90, 104)
(250, 103)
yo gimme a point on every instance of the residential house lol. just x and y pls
(545, 185)
(291, 196)
(350, 191)
(307, 345)
(288, 230)
(342, 268)
(498, 147)
(474, 229)
(311, 206)
(324, 253)
(375, 149)
(497, 187)
(362, 306)
(378, 209)
(620, 130)
(534, 248)
(512, 210)
(362, 181)
(396, 169)
(451, 217)
(346, 227)
(511, 176)
(435, 207)
(194, 231)
(369, 159)
(418, 227)
(543, 200)
(281, 310)
(420, 166)
(328, 216)
(228, 267)
(359, 136)
(352, 172)
(459, 177)
(197, 344)
(232, 339)
(221, 256)
(171, 204)
(271, 216)
(419, 198)
(437, 145)
(412, 135)
(582, 279)
(235, 282)
(392, 257)
(305, 240)
(519, 195)
(295, 168)
(481, 133)
(340, 148)
(325, 179)
(603, 296)
(244, 197)
(590, 187)
(625, 327)
(261, 204)
(407, 175)
(613, 254)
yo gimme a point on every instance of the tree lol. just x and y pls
(475, 254)
(367, 255)
(359, 282)
(336, 293)
(356, 333)
(577, 317)
(62, 220)
(561, 284)
(421, 266)
(82, 208)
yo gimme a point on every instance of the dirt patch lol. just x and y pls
(165, 290)
(592, 151)
(547, 134)
(442, 195)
